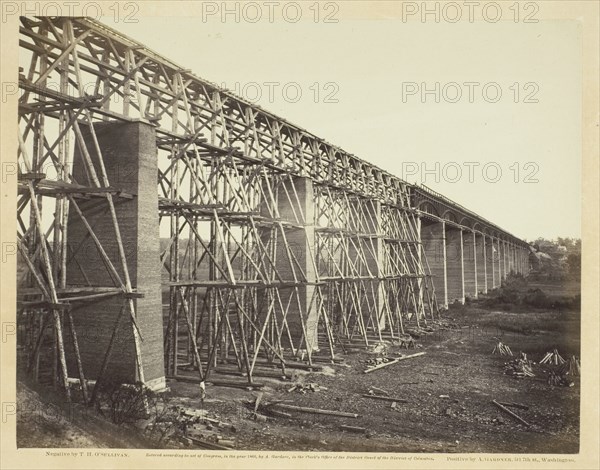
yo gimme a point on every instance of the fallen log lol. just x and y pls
(507, 411)
(305, 409)
(395, 361)
(380, 397)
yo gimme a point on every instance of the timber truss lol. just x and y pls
(280, 246)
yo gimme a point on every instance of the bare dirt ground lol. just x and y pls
(448, 393)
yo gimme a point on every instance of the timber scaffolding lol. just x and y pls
(281, 246)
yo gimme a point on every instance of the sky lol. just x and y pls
(488, 114)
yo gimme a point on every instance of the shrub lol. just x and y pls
(125, 403)
(508, 295)
(537, 298)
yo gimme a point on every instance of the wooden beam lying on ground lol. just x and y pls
(395, 361)
(514, 415)
(218, 383)
(345, 427)
(381, 397)
(514, 405)
(305, 409)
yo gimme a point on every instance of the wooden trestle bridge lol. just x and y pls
(276, 245)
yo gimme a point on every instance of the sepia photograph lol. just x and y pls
(300, 234)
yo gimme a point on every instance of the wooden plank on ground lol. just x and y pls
(381, 397)
(395, 361)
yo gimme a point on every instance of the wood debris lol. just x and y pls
(192, 416)
(514, 405)
(395, 361)
(419, 331)
(572, 367)
(304, 388)
(559, 379)
(553, 357)
(507, 411)
(257, 402)
(519, 368)
(373, 389)
(204, 444)
(356, 429)
(306, 409)
(407, 342)
(202, 431)
(279, 414)
(280, 409)
(380, 397)
(502, 349)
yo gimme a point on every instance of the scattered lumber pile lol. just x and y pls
(572, 367)
(519, 368)
(558, 379)
(203, 431)
(502, 349)
(207, 437)
(553, 358)
(304, 388)
(193, 416)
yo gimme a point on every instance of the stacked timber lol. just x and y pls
(553, 358)
(502, 349)
(572, 367)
